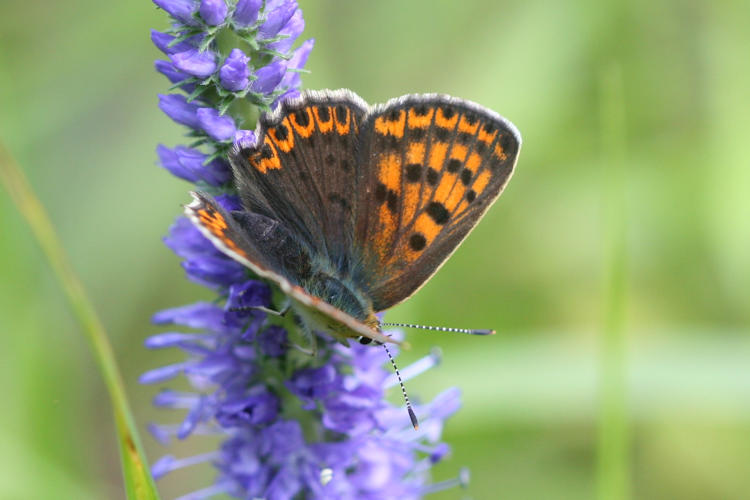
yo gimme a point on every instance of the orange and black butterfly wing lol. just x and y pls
(303, 169)
(431, 165)
(261, 243)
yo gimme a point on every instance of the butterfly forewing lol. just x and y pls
(431, 167)
(303, 171)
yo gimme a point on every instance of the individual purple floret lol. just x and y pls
(191, 165)
(234, 72)
(194, 62)
(180, 10)
(177, 108)
(269, 77)
(213, 11)
(289, 33)
(276, 19)
(246, 12)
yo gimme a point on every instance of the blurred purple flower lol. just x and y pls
(273, 342)
(234, 72)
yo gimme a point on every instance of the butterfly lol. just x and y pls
(351, 208)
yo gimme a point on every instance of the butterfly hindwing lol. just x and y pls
(303, 171)
(431, 166)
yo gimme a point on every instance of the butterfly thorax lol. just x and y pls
(341, 293)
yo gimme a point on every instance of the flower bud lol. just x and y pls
(182, 10)
(213, 11)
(234, 72)
(269, 77)
(246, 12)
(194, 62)
(276, 20)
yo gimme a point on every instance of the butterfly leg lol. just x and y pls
(266, 310)
(309, 336)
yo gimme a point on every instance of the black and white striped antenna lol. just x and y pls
(412, 415)
(468, 331)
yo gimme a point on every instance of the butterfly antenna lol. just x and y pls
(412, 415)
(442, 328)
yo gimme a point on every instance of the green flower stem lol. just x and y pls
(613, 450)
(138, 481)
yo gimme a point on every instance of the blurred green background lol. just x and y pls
(629, 214)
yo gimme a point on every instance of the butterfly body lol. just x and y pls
(350, 209)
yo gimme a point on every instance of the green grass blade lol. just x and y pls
(138, 481)
(613, 458)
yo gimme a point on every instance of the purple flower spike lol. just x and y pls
(251, 383)
(234, 72)
(194, 62)
(177, 108)
(269, 77)
(276, 20)
(220, 128)
(213, 11)
(182, 10)
(246, 12)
